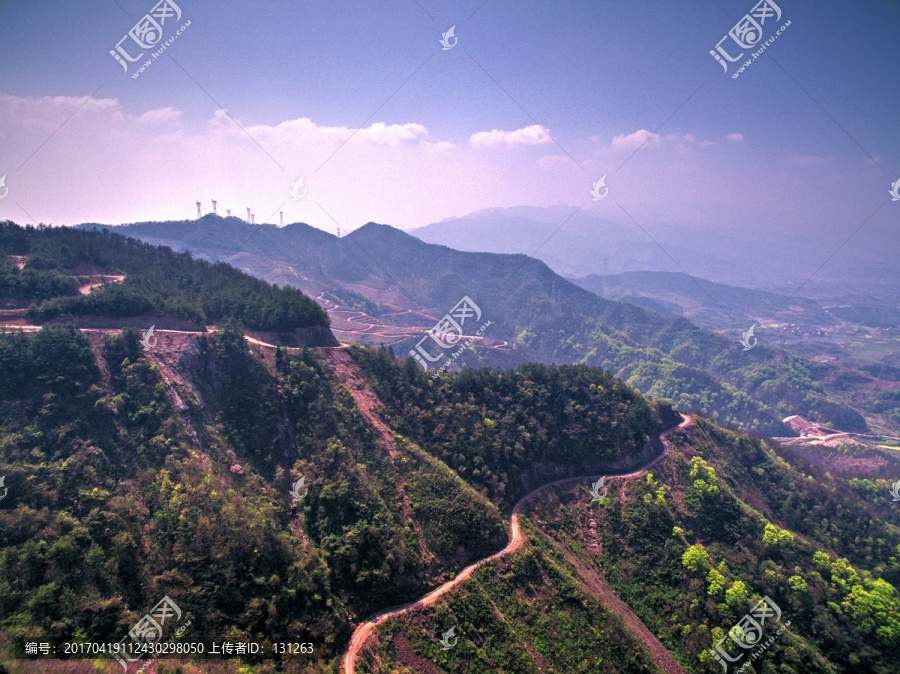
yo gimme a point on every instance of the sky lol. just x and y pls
(530, 104)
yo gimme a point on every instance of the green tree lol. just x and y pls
(875, 609)
(736, 594)
(716, 582)
(695, 558)
(797, 583)
(822, 561)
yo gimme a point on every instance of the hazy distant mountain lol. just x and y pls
(583, 244)
(713, 305)
(572, 243)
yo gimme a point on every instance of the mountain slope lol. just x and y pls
(138, 474)
(534, 315)
(691, 547)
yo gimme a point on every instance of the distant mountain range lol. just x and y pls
(706, 303)
(575, 243)
(382, 285)
(571, 241)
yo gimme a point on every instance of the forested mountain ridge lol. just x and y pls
(535, 315)
(135, 474)
(137, 279)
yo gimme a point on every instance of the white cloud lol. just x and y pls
(160, 115)
(530, 135)
(49, 112)
(735, 137)
(640, 138)
(108, 164)
(393, 134)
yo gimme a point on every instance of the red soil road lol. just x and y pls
(365, 630)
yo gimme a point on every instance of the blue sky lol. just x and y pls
(758, 153)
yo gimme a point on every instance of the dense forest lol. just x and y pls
(156, 281)
(494, 426)
(134, 475)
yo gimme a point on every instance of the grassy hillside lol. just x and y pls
(527, 614)
(691, 547)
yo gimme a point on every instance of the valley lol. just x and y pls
(385, 287)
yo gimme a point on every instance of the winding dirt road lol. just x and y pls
(362, 633)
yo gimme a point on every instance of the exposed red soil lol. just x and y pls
(405, 655)
(348, 374)
(598, 586)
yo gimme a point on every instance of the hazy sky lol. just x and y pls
(251, 96)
